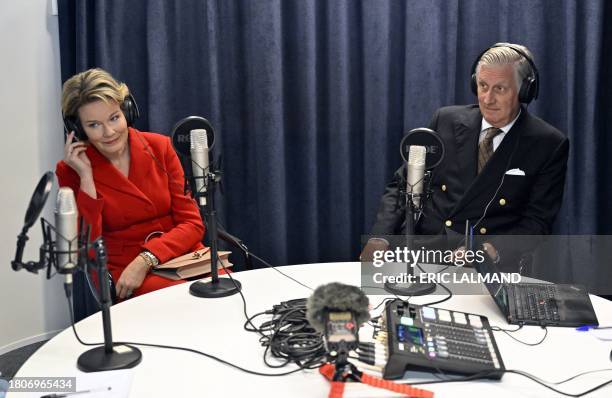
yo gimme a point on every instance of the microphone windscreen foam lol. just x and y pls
(336, 297)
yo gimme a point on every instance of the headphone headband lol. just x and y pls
(530, 86)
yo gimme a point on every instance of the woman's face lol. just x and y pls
(105, 126)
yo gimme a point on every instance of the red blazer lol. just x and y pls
(128, 209)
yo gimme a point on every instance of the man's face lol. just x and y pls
(497, 94)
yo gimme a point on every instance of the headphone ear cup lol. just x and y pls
(474, 84)
(70, 124)
(527, 90)
(530, 89)
(130, 110)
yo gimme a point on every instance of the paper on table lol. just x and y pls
(120, 382)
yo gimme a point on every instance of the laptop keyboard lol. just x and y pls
(536, 302)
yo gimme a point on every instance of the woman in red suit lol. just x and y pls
(128, 184)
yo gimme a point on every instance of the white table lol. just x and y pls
(173, 317)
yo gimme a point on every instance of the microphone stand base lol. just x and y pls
(410, 289)
(98, 360)
(222, 288)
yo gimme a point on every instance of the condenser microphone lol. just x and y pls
(67, 227)
(199, 161)
(337, 310)
(415, 172)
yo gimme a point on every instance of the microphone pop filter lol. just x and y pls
(39, 197)
(434, 147)
(181, 140)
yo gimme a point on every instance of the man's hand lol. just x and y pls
(491, 251)
(374, 244)
(132, 277)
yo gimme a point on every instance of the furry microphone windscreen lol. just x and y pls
(336, 297)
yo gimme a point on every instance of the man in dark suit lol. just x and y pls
(504, 169)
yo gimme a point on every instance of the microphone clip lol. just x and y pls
(210, 175)
(415, 200)
(48, 253)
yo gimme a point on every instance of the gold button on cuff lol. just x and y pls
(483, 230)
(443, 188)
(502, 202)
(448, 223)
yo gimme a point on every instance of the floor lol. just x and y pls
(12, 360)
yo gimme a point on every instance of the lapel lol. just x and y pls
(106, 174)
(495, 167)
(467, 130)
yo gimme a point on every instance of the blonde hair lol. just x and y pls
(502, 54)
(89, 86)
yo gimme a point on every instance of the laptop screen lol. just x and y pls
(496, 289)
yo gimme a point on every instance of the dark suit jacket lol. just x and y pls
(519, 205)
(128, 209)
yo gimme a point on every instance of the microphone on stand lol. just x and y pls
(415, 173)
(67, 233)
(197, 133)
(199, 162)
(65, 253)
(423, 150)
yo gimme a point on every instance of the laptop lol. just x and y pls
(542, 304)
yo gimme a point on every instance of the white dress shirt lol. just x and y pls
(498, 138)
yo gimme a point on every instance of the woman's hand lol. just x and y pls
(75, 157)
(132, 277)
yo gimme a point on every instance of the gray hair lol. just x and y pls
(503, 55)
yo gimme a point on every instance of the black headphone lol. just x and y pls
(129, 108)
(530, 86)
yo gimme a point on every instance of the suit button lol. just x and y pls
(483, 230)
(502, 202)
(448, 223)
(443, 187)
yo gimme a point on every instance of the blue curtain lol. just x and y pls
(310, 98)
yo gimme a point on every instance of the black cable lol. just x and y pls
(244, 303)
(498, 329)
(93, 291)
(300, 368)
(576, 376)
(264, 262)
(450, 294)
(280, 272)
(386, 301)
(533, 378)
(290, 338)
(395, 296)
(478, 376)
(507, 332)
